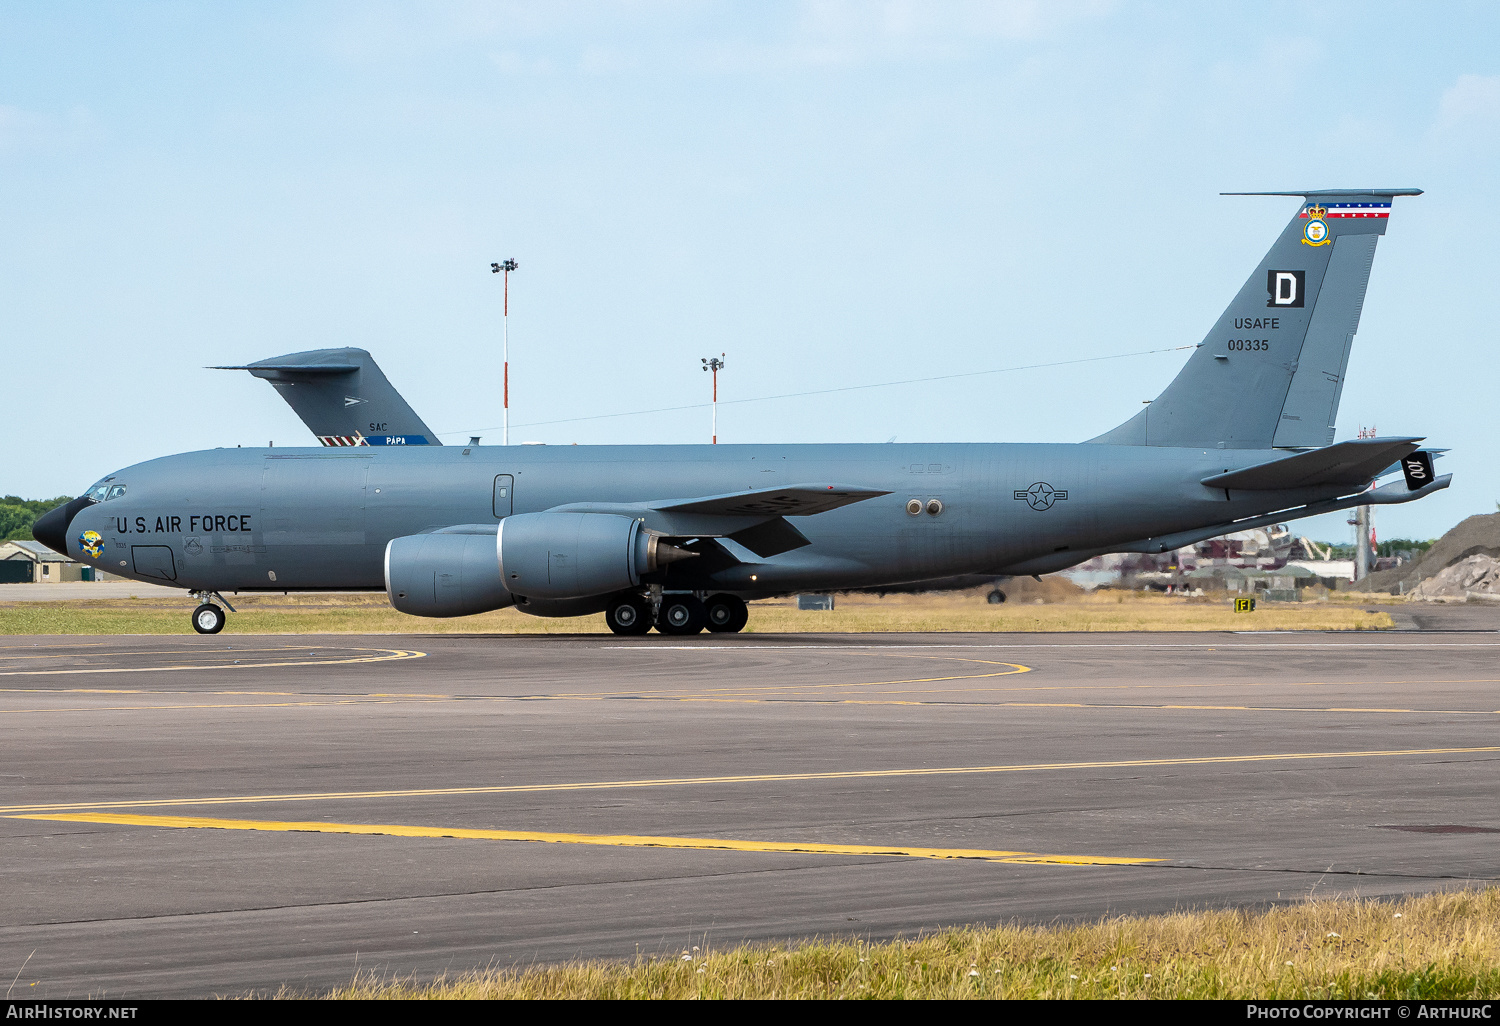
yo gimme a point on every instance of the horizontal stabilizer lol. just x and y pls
(1315, 193)
(1355, 462)
(290, 368)
(1385, 495)
(800, 500)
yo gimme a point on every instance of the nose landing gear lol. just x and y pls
(209, 618)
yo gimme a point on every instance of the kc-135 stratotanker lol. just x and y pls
(679, 536)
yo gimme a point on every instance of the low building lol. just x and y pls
(31, 561)
(1282, 584)
(1331, 570)
(1263, 548)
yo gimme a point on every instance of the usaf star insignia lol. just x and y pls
(1041, 495)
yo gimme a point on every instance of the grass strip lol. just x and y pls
(372, 614)
(1443, 946)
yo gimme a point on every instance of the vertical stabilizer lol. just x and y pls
(343, 397)
(1271, 371)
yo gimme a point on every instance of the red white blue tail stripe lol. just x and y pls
(1349, 210)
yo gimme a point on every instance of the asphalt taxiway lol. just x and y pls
(190, 816)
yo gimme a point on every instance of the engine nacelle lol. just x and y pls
(575, 555)
(444, 575)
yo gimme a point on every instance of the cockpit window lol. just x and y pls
(103, 492)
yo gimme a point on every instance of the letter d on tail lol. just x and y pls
(1285, 288)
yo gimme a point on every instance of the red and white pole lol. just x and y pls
(714, 364)
(505, 356)
(505, 268)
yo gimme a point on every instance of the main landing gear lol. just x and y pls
(727, 614)
(678, 614)
(209, 618)
(628, 614)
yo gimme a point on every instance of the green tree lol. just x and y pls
(1395, 545)
(18, 514)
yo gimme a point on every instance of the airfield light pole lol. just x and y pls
(1364, 529)
(714, 364)
(505, 268)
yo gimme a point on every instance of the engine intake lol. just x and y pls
(444, 575)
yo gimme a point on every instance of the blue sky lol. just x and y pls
(829, 193)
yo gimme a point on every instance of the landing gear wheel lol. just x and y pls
(208, 619)
(995, 597)
(727, 614)
(681, 614)
(628, 614)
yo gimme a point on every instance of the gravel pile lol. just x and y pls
(1476, 536)
(1475, 577)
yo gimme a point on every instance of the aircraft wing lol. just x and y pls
(1354, 462)
(755, 518)
(802, 500)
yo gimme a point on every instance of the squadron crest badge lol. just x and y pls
(91, 544)
(1315, 231)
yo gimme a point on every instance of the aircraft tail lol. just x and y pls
(1270, 373)
(343, 397)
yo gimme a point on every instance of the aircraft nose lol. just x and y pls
(51, 528)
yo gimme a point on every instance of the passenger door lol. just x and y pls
(505, 503)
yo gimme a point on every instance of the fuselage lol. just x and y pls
(309, 519)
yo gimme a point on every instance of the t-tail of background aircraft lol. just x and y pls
(343, 397)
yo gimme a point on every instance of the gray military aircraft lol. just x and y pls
(679, 536)
(324, 404)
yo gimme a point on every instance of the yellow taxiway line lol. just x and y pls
(386, 655)
(756, 778)
(612, 840)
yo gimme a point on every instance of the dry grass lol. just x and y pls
(1051, 609)
(1098, 611)
(1438, 946)
(324, 613)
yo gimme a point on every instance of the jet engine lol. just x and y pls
(562, 555)
(444, 574)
